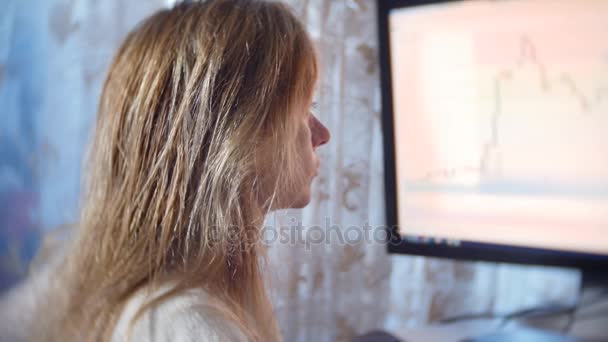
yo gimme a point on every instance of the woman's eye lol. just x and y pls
(314, 106)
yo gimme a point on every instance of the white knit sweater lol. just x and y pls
(187, 317)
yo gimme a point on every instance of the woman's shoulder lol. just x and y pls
(188, 316)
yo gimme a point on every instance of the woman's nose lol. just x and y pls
(320, 133)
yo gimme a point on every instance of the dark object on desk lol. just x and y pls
(376, 336)
(525, 334)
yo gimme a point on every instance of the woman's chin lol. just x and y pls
(302, 201)
(294, 200)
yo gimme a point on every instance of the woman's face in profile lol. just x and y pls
(311, 134)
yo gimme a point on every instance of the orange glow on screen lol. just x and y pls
(501, 122)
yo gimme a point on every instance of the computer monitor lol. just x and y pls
(495, 120)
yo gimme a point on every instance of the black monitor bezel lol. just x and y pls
(469, 251)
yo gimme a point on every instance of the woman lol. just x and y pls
(204, 126)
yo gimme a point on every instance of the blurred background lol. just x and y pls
(53, 58)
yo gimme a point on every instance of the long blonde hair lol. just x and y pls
(194, 94)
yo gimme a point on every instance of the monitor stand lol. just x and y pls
(591, 280)
(523, 334)
(594, 279)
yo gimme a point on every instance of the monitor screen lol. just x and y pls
(498, 120)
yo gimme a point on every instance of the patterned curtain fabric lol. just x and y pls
(330, 285)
